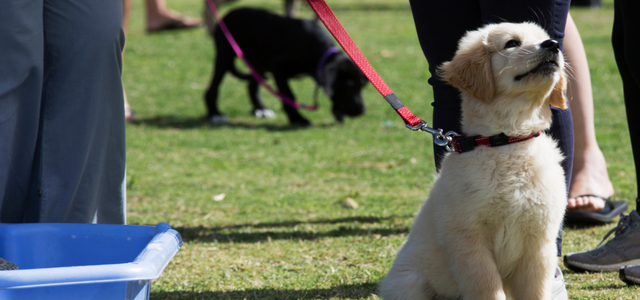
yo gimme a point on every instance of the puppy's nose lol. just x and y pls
(550, 45)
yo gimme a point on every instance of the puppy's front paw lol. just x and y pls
(264, 113)
(217, 119)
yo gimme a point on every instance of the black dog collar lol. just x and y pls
(464, 143)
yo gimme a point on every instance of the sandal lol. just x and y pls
(611, 210)
(184, 23)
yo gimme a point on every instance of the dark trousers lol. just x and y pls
(626, 47)
(62, 131)
(441, 24)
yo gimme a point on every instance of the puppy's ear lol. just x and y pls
(470, 71)
(557, 97)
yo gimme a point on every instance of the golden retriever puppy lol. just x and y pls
(489, 225)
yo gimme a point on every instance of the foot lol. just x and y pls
(171, 20)
(589, 177)
(129, 114)
(622, 250)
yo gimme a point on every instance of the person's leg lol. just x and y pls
(160, 17)
(590, 174)
(626, 47)
(82, 159)
(126, 12)
(440, 25)
(22, 64)
(129, 114)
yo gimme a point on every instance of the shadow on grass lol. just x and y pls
(350, 291)
(338, 6)
(225, 234)
(180, 122)
(363, 6)
(603, 287)
(577, 226)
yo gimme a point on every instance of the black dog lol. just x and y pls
(286, 48)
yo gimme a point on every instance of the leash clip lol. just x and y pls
(439, 138)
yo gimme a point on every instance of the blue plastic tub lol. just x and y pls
(84, 261)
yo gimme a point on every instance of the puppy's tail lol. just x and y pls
(239, 74)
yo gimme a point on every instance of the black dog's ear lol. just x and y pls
(350, 67)
(363, 78)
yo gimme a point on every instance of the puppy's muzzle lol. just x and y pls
(548, 65)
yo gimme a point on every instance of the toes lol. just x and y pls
(596, 203)
(585, 204)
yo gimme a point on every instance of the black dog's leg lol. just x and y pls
(259, 109)
(295, 118)
(223, 62)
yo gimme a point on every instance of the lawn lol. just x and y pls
(282, 230)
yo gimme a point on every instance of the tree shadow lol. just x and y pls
(180, 122)
(226, 234)
(349, 291)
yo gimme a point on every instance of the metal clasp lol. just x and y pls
(439, 138)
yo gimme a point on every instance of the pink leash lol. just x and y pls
(286, 100)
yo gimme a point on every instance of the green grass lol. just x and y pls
(282, 231)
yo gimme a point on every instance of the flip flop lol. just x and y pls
(611, 210)
(173, 25)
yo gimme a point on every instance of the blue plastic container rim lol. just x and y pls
(147, 266)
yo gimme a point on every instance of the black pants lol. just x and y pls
(626, 47)
(441, 23)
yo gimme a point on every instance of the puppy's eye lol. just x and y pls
(512, 43)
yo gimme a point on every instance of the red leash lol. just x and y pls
(333, 25)
(453, 141)
(412, 122)
(286, 100)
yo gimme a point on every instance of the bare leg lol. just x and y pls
(589, 166)
(159, 16)
(129, 115)
(290, 8)
(126, 9)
